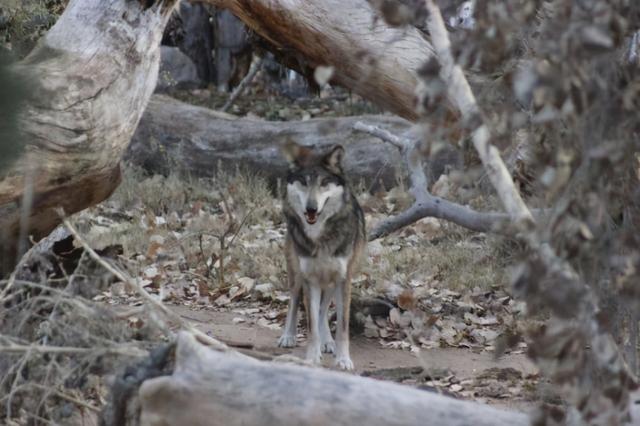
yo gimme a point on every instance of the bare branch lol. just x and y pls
(12, 348)
(383, 134)
(255, 67)
(426, 204)
(462, 97)
(440, 208)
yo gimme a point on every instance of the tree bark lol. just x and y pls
(91, 77)
(211, 388)
(371, 58)
(174, 136)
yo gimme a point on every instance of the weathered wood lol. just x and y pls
(91, 77)
(214, 388)
(371, 58)
(174, 136)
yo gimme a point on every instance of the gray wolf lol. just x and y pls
(324, 243)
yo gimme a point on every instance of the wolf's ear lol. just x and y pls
(295, 154)
(333, 159)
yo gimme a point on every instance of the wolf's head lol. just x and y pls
(316, 185)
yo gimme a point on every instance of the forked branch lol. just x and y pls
(427, 204)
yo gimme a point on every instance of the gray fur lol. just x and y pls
(325, 236)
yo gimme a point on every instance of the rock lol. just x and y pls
(176, 70)
(264, 291)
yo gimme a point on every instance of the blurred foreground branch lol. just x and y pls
(601, 381)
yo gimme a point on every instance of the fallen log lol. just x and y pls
(174, 136)
(207, 387)
(90, 78)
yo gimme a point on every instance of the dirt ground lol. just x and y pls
(464, 366)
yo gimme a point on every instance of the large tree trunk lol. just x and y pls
(91, 77)
(174, 136)
(215, 388)
(376, 61)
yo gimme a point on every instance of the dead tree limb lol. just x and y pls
(255, 67)
(373, 59)
(426, 204)
(90, 77)
(177, 137)
(601, 383)
(213, 388)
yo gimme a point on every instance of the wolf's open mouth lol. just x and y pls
(311, 217)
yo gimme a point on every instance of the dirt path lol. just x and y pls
(368, 355)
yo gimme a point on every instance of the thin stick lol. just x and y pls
(152, 301)
(461, 95)
(67, 397)
(255, 67)
(13, 348)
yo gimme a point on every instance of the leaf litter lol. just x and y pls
(203, 255)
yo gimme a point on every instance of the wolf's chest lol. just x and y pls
(324, 270)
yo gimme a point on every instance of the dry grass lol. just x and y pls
(189, 215)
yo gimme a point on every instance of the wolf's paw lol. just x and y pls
(329, 347)
(344, 363)
(287, 341)
(314, 356)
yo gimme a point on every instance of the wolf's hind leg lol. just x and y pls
(327, 342)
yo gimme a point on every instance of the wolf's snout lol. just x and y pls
(311, 214)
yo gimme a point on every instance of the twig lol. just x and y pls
(14, 385)
(385, 135)
(255, 67)
(153, 302)
(66, 350)
(67, 397)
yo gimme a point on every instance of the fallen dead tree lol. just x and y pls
(91, 77)
(174, 136)
(370, 57)
(208, 387)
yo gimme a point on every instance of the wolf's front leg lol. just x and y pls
(327, 344)
(313, 346)
(288, 338)
(343, 302)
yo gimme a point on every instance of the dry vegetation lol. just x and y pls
(216, 244)
(68, 326)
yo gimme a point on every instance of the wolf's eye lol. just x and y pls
(325, 182)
